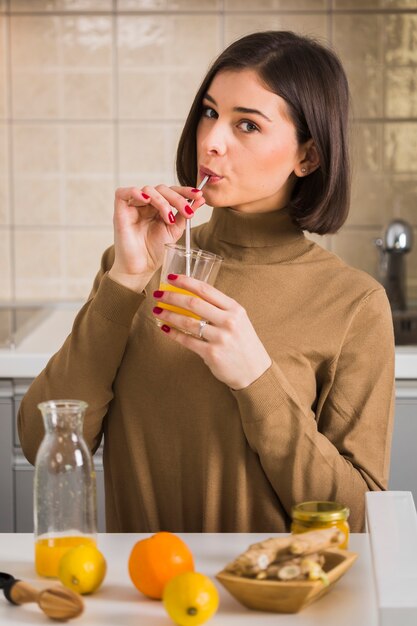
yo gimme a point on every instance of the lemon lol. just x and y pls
(190, 599)
(82, 569)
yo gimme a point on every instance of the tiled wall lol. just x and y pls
(93, 94)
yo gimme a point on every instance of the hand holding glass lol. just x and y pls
(203, 266)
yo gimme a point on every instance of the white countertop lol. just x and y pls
(351, 601)
(34, 350)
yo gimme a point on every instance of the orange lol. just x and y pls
(157, 559)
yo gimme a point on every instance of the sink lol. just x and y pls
(405, 327)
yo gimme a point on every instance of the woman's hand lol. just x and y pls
(229, 345)
(143, 222)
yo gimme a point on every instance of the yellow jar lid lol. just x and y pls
(320, 512)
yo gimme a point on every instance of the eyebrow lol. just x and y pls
(239, 109)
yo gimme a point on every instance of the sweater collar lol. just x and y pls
(270, 237)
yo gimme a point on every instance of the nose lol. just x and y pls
(214, 141)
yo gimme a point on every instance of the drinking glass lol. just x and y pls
(198, 264)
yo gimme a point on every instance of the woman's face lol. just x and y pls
(246, 137)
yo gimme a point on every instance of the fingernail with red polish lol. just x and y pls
(145, 195)
(158, 294)
(188, 210)
(172, 276)
(165, 328)
(195, 190)
(157, 310)
(171, 217)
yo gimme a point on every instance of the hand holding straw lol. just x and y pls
(188, 233)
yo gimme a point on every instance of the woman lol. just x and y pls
(288, 396)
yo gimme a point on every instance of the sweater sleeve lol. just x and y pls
(86, 365)
(344, 451)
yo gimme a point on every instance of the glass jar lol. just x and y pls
(65, 513)
(314, 515)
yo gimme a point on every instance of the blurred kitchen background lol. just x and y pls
(93, 95)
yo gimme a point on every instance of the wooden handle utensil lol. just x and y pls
(56, 602)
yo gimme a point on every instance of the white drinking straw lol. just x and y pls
(188, 233)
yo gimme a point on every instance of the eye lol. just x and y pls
(209, 112)
(248, 127)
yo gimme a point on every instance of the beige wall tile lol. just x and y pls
(375, 4)
(401, 92)
(38, 257)
(36, 95)
(151, 179)
(60, 5)
(38, 201)
(400, 141)
(357, 248)
(35, 42)
(402, 195)
(182, 86)
(4, 176)
(275, 5)
(325, 241)
(38, 169)
(89, 202)
(36, 150)
(370, 202)
(400, 39)
(3, 70)
(89, 149)
(158, 95)
(86, 41)
(202, 215)
(366, 87)
(143, 94)
(411, 272)
(87, 96)
(238, 25)
(143, 150)
(358, 38)
(366, 147)
(141, 41)
(153, 51)
(5, 269)
(169, 5)
(167, 41)
(62, 67)
(84, 249)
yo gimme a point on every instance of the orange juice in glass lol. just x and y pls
(49, 551)
(198, 264)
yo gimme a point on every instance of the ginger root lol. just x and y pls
(284, 558)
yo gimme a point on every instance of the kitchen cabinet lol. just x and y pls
(6, 475)
(16, 473)
(403, 475)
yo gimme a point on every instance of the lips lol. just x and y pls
(207, 172)
(214, 178)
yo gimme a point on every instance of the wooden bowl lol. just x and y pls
(289, 596)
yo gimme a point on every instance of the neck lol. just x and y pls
(265, 237)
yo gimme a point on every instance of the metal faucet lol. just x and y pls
(396, 242)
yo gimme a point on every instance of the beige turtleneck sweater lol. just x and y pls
(182, 451)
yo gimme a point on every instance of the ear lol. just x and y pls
(308, 161)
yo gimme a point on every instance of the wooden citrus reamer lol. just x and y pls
(56, 602)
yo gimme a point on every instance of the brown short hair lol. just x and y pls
(311, 79)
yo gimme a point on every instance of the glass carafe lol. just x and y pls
(65, 513)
